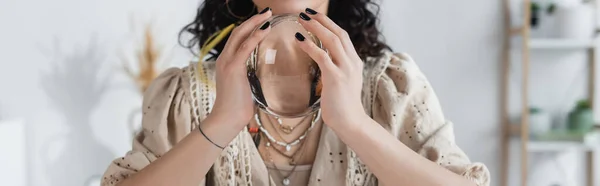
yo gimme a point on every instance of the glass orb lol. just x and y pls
(285, 81)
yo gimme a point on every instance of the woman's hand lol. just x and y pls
(341, 69)
(233, 102)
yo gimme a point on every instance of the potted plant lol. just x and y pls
(535, 15)
(574, 19)
(581, 118)
(540, 122)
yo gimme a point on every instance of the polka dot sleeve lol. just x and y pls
(165, 121)
(407, 106)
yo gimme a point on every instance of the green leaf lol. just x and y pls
(551, 8)
(535, 6)
(534, 110)
(583, 104)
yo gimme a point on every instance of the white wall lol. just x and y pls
(54, 55)
(456, 43)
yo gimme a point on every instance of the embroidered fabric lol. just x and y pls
(236, 155)
(388, 80)
(358, 174)
(233, 165)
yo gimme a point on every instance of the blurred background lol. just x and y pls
(516, 77)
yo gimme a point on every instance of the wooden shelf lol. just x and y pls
(551, 43)
(540, 145)
(519, 38)
(557, 44)
(549, 146)
(556, 146)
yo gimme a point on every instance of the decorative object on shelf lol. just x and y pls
(593, 137)
(581, 119)
(574, 20)
(535, 14)
(551, 8)
(540, 122)
(540, 20)
(149, 56)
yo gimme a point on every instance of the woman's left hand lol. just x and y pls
(341, 70)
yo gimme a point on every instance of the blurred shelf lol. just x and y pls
(562, 43)
(557, 146)
(560, 143)
(557, 43)
(519, 39)
(549, 146)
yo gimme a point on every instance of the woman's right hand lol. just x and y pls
(233, 102)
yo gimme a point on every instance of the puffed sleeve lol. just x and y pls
(166, 120)
(406, 105)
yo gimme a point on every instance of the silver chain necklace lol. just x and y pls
(286, 178)
(288, 146)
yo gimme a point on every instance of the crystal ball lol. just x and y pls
(285, 81)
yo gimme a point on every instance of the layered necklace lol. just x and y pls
(286, 128)
(291, 158)
(288, 145)
(294, 156)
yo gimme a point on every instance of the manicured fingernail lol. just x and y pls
(265, 26)
(299, 36)
(265, 10)
(304, 16)
(310, 11)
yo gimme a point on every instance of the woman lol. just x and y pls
(382, 128)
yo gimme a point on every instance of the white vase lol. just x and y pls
(540, 123)
(575, 21)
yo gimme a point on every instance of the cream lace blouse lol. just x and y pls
(395, 93)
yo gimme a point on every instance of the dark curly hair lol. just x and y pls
(357, 17)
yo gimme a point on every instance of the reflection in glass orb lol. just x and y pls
(285, 81)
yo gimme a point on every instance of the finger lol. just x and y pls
(246, 48)
(329, 40)
(331, 26)
(241, 32)
(317, 54)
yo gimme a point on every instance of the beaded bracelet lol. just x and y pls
(200, 129)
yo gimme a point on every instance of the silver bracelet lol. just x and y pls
(202, 132)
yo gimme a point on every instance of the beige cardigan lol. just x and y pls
(395, 93)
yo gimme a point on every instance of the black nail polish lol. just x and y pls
(304, 16)
(310, 11)
(299, 36)
(265, 10)
(265, 26)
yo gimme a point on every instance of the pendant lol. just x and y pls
(288, 147)
(279, 121)
(286, 181)
(268, 144)
(286, 129)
